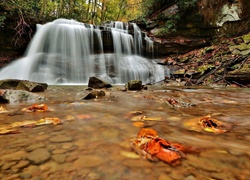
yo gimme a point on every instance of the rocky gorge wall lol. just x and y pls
(197, 26)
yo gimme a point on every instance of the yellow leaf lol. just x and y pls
(130, 155)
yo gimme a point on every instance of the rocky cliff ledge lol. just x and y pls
(181, 26)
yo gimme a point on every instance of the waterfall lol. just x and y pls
(70, 52)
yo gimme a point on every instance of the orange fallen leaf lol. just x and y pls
(150, 145)
(8, 131)
(207, 124)
(11, 128)
(211, 125)
(37, 108)
(22, 124)
(145, 118)
(138, 124)
(45, 121)
(147, 132)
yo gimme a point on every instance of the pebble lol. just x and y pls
(67, 146)
(16, 156)
(32, 169)
(59, 151)
(8, 165)
(21, 164)
(164, 177)
(133, 163)
(190, 177)
(59, 158)
(204, 163)
(88, 161)
(71, 158)
(39, 156)
(25, 175)
(42, 137)
(60, 139)
(35, 146)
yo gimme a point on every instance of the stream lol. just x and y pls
(93, 142)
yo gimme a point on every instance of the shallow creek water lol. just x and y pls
(93, 142)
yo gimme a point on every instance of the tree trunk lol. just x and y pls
(44, 3)
(71, 8)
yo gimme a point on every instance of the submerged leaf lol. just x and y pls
(211, 125)
(151, 146)
(8, 131)
(207, 124)
(37, 108)
(45, 121)
(129, 155)
(3, 110)
(145, 118)
(138, 124)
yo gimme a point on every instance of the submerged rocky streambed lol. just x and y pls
(93, 140)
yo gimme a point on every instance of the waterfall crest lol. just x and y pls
(70, 52)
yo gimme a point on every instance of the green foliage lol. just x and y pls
(2, 18)
(204, 68)
(89, 11)
(151, 7)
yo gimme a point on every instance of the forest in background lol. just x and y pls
(88, 11)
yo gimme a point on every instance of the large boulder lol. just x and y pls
(17, 84)
(134, 85)
(16, 96)
(96, 83)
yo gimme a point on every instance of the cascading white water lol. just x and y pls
(63, 51)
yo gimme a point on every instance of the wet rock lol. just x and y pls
(133, 163)
(88, 161)
(68, 146)
(134, 85)
(71, 157)
(39, 156)
(15, 96)
(31, 170)
(190, 177)
(16, 156)
(205, 164)
(8, 165)
(21, 164)
(25, 175)
(59, 151)
(61, 139)
(59, 158)
(35, 146)
(23, 85)
(94, 94)
(32, 86)
(97, 83)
